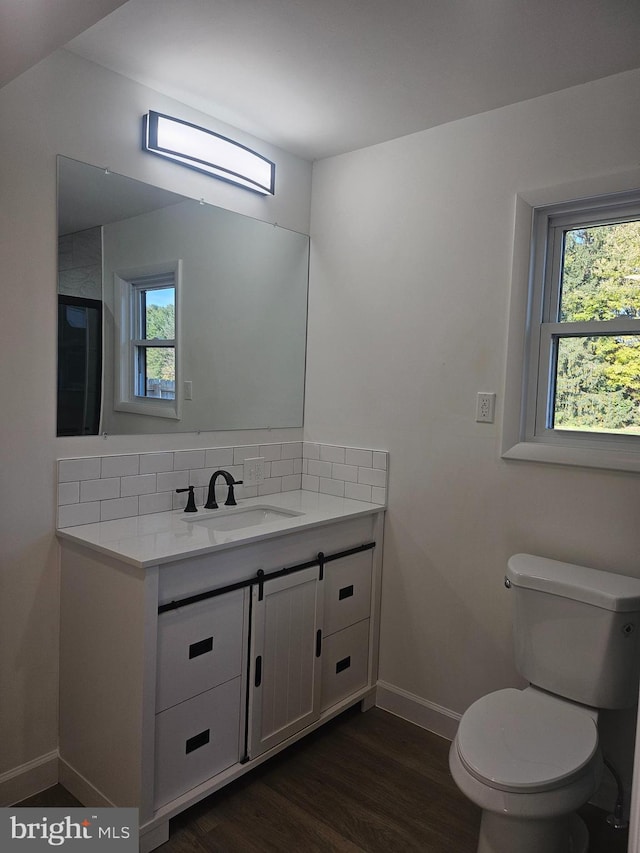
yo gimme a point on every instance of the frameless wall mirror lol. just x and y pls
(173, 315)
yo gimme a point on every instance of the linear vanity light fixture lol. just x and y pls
(208, 152)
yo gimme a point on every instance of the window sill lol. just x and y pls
(150, 408)
(612, 459)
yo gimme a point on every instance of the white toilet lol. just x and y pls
(529, 758)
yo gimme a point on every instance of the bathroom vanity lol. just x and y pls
(194, 649)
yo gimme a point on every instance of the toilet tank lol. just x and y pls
(576, 630)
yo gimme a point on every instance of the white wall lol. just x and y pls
(67, 106)
(409, 300)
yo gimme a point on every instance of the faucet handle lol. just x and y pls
(231, 498)
(191, 501)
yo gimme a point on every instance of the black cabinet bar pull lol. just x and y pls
(200, 648)
(318, 643)
(197, 741)
(261, 578)
(345, 663)
(258, 676)
(345, 592)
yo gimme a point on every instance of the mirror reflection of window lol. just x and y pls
(154, 344)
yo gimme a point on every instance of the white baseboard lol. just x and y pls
(427, 715)
(29, 779)
(81, 788)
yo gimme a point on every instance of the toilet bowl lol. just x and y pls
(528, 759)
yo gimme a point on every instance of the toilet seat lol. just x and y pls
(525, 741)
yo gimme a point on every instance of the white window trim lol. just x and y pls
(519, 438)
(125, 399)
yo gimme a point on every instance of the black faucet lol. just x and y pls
(211, 496)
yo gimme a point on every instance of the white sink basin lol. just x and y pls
(236, 519)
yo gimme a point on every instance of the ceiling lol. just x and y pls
(322, 77)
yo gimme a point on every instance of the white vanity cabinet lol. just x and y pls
(178, 677)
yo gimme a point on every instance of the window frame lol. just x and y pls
(533, 325)
(127, 287)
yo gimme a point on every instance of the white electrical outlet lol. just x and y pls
(253, 471)
(485, 408)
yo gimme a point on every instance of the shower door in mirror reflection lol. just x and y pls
(79, 365)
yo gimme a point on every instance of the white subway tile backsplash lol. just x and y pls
(344, 472)
(173, 480)
(158, 502)
(270, 452)
(291, 450)
(331, 487)
(270, 486)
(200, 476)
(79, 469)
(155, 463)
(249, 451)
(380, 459)
(118, 486)
(142, 484)
(218, 457)
(330, 453)
(282, 468)
(68, 493)
(291, 483)
(357, 491)
(310, 483)
(183, 460)
(118, 508)
(372, 477)
(100, 490)
(378, 495)
(120, 466)
(319, 469)
(359, 457)
(73, 514)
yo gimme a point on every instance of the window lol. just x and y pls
(581, 373)
(148, 343)
(154, 338)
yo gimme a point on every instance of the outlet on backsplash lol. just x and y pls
(253, 473)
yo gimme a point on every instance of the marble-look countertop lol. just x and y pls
(150, 540)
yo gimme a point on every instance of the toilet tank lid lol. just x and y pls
(601, 589)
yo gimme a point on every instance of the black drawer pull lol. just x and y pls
(345, 663)
(200, 648)
(258, 676)
(318, 643)
(345, 592)
(197, 741)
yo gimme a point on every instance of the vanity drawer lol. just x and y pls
(197, 739)
(199, 646)
(345, 658)
(347, 591)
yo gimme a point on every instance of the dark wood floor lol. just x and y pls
(364, 782)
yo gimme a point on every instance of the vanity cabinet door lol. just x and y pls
(285, 671)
